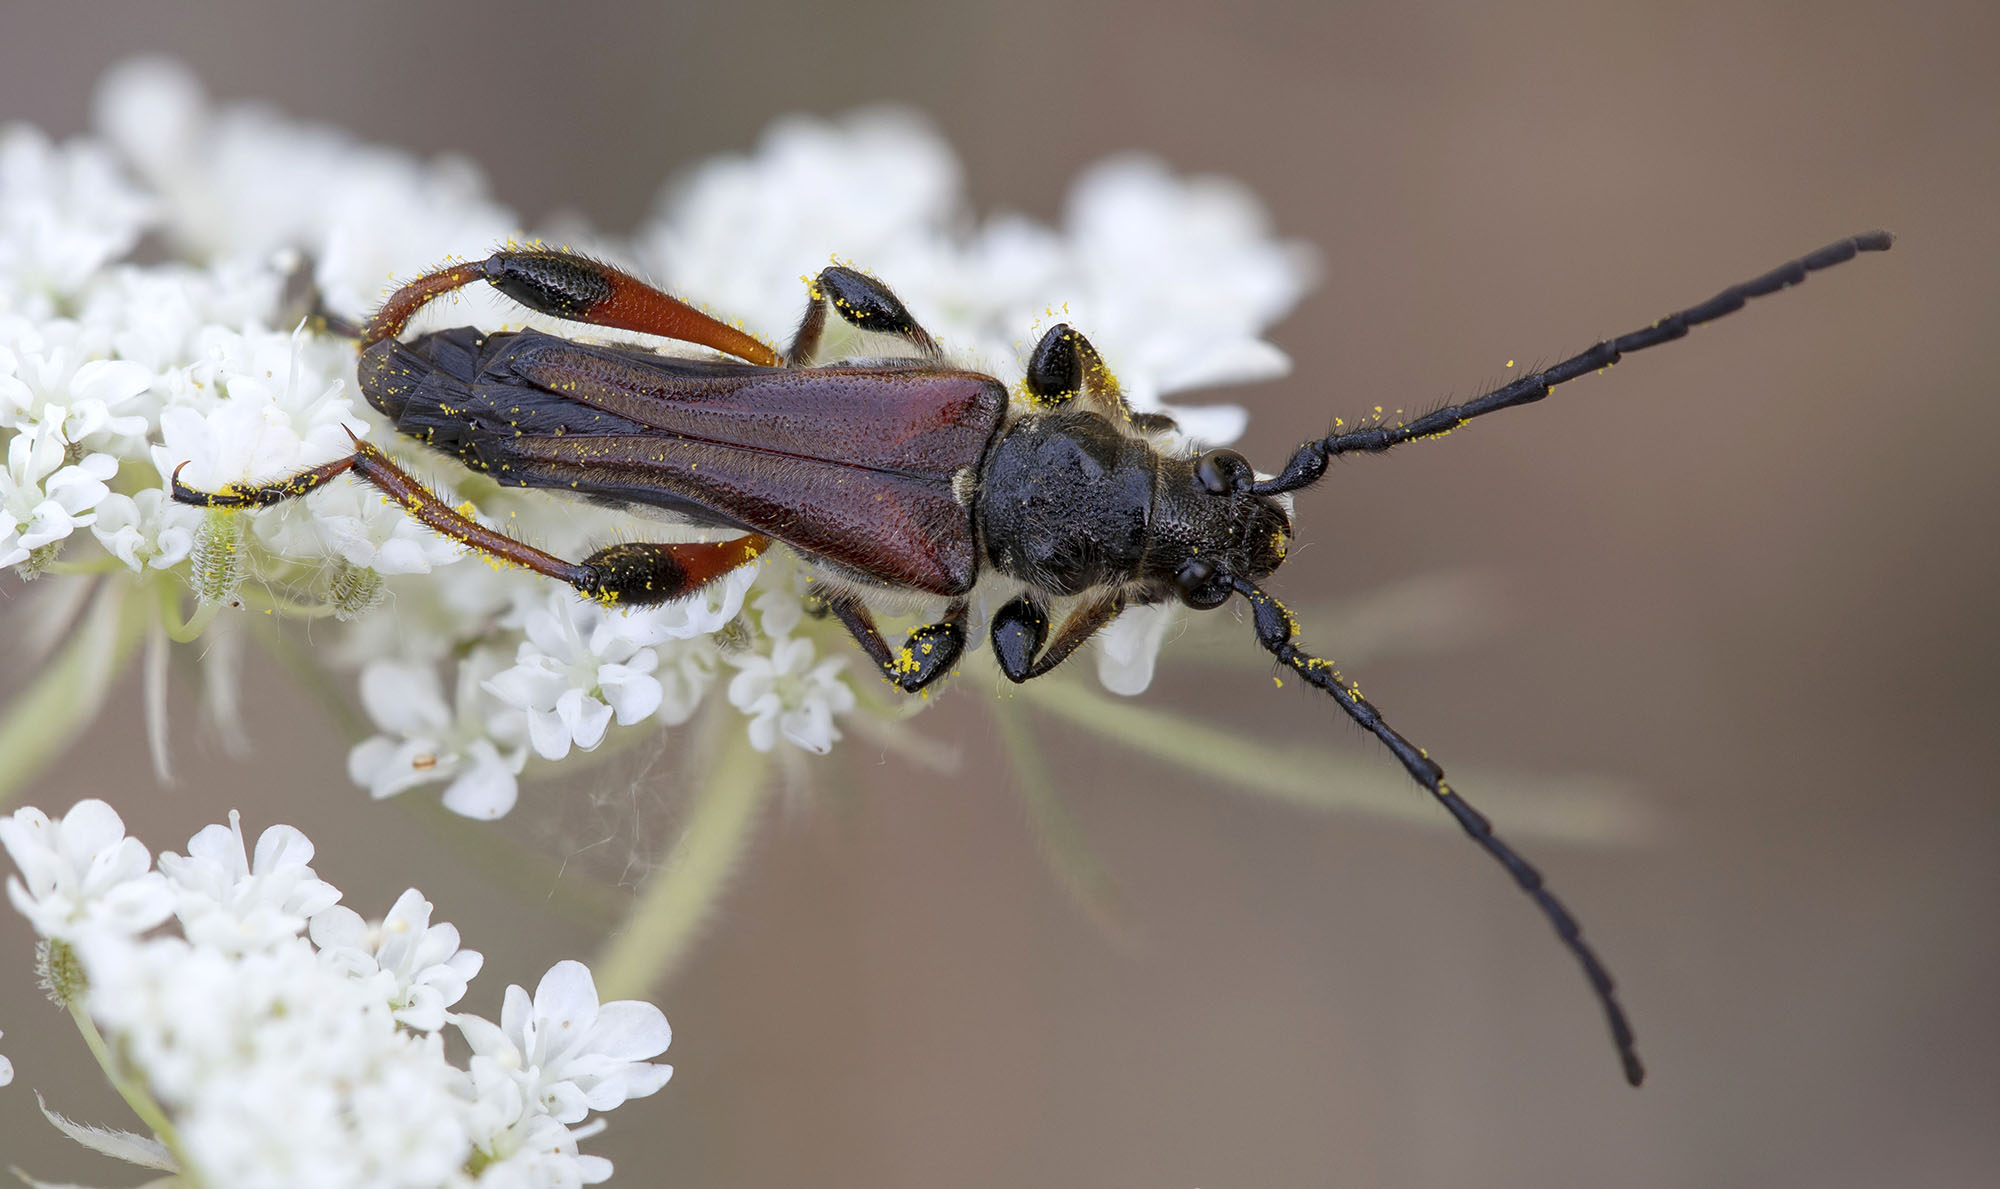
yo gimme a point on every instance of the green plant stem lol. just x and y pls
(670, 907)
(134, 1092)
(182, 630)
(39, 724)
(96, 565)
(1305, 775)
(1062, 842)
(1566, 807)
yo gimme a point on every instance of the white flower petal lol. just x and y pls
(485, 790)
(1128, 646)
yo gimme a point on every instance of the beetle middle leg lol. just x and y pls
(927, 653)
(632, 574)
(863, 302)
(1021, 627)
(1065, 365)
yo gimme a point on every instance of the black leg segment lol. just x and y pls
(1020, 627)
(641, 574)
(863, 302)
(1065, 365)
(927, 654)
(1019, 630)
(262, 495)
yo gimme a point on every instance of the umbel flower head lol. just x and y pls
(114, 375)
(281, 1039)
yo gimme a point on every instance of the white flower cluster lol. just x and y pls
(281, 1039)
(114, 374)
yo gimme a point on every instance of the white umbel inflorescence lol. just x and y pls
(113, 374)
(282, 1039)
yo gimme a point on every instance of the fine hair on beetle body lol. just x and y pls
(903, 479)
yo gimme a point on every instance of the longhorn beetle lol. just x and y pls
(907, 475)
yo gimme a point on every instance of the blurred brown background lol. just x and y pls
(1753, 573)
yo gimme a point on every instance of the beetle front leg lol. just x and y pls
(1020, 627)
(927, 653)
(865, 303)
(1066, 365)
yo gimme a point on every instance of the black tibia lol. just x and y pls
(1309, 463)
(1274, 631)
(1019, 630)
(927, 654)
(641, 573)
(555, 283)
(1065, 364)
(865, 303)
(1020, 627)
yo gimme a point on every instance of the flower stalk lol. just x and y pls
(667, 915)
(63, 698)
(134, 1092)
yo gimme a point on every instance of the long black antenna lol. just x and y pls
(1274, 631)
(1309, 463)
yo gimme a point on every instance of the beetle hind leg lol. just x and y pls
(641, 574)
(573, 287)
(262, 495)
(927, 654)
(636, 574)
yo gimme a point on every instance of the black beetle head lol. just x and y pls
(1209, 527)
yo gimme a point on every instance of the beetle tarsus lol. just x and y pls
(261, 495)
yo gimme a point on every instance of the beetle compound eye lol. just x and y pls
(1220, 471)
(1193, 576)
(1197, 585)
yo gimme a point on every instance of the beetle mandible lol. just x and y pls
(906, 475)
